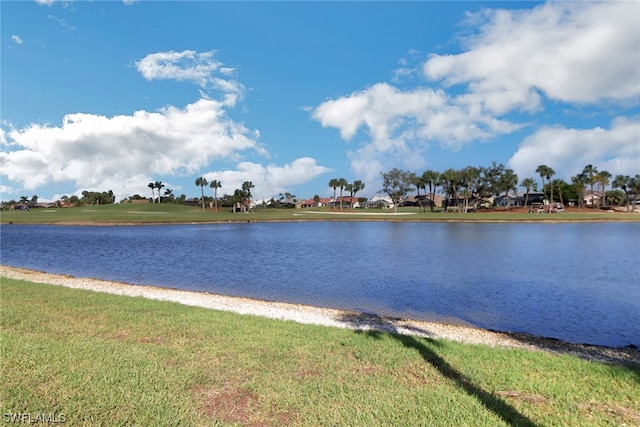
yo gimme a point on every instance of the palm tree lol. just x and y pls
(603, 178)
(202, 182)
(152, 186)
(509, 182)
(546, 172)
(333, 183)
(469, 176)
(559, 184)
(431, 178)
(354, 188)
(590, 171)
(342, 182)
(529, 184)
(169, 193)
(215, 185)
(579, 181)
(450, 183)
(158, 185)
(634, 187)
(247, 186)
(623, 182)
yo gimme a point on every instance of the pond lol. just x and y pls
(576, 282)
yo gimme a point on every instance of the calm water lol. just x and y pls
(575, 282)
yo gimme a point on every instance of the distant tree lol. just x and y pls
(529, 184)
(590, 172)
(342, 182)
(431, 178)
(634, 187)
(615, 197)
(509, 183)
(623, 181)
(168, 194)
(562, 188)
(451, 180)
(469, 177)
(333, 183)
(239, 198)
(246, 187)
(353, 189)
(316, 199)
(152, 186)
(34, 199)
(546, 172)
(578, 182)
(215, 185)
(159, 185)
(396, 184)
(202, 182)
(603, 178)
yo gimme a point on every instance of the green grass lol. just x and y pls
(112, 360)
(172, 213)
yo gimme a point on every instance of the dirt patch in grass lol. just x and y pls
(622, 414)
(234, 405)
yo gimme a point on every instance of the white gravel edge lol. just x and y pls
(275, 310)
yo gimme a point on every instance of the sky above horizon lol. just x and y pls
(111, 95)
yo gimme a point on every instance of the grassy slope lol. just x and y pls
(155, 213)
(111, 360)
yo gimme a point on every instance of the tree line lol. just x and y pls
(478, 184)
(464, 188)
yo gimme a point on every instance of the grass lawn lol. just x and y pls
(98, 359)
(128, 213)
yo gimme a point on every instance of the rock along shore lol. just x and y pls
(331, 317)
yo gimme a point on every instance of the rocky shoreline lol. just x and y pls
(334, 318)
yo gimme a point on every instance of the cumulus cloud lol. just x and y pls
(575, 52)
(92, 150)
(16, 39)
(566, 150)
(268, 180)
(191, 66)
(401, 124)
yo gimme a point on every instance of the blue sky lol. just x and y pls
(112, 95)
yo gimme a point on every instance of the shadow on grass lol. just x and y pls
(426, 348)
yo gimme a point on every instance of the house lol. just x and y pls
(511, 200)
(519, 199)
(592, 199)
(346, 202)
(379, 202)
(423, 200)
(311, 203)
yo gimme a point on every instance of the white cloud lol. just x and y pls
(188, 65)
(400, 125)
(268, 180)
(577, 52)
(568, 151)
(574, 52)
(93, 151)
(16, 39)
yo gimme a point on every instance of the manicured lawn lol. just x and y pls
(172, 213)
(103, 359)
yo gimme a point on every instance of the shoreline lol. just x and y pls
(305, 314)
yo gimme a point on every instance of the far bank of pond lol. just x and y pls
(570, 281)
